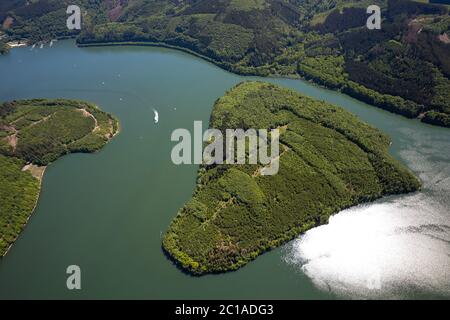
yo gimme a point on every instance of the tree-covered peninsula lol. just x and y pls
(4, 49)
(34, 133)
(329, 160)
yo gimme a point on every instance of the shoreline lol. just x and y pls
(38, 172)
(223, 65)
(229, 68)
(40, 178)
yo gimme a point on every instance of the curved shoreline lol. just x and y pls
(422, 116)
(310, 79)
(223, 65)
(147, 44)
(40, 179)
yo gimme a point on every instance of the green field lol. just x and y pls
(329, 161)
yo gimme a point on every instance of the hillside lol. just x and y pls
(403, 68)
(329, 160)
(34, 133)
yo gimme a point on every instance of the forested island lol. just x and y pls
(33, 134)
(403, 68)
(329, 160)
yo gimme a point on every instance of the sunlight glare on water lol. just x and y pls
(395, 248)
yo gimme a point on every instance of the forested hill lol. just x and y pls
(404, 67)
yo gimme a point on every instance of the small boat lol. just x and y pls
(156, 116)
(34, 46)
(42, 46)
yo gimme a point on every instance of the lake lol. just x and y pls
(106, 212)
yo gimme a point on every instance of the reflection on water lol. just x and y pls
(395, 248)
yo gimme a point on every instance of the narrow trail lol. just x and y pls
(87, 114)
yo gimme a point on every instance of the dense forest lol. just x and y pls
(403, 68)
(34, 133)
(329, 160)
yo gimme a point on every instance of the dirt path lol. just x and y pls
(258, 172)
(13, 139)
(34, 123)
(222, 205)
(87, 114)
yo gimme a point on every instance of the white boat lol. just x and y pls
(42, 46)
(156, 116)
